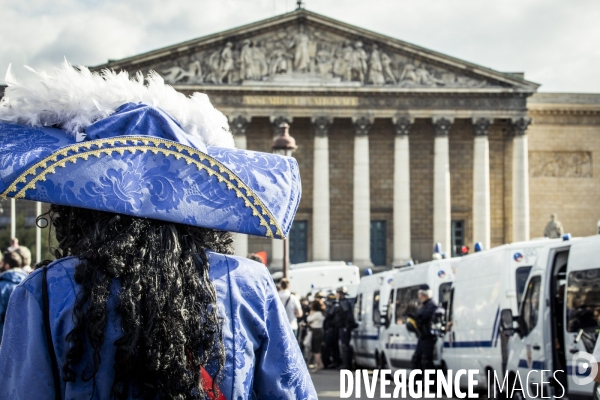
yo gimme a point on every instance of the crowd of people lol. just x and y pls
(323, 325)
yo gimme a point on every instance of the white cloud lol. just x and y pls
(553, 41)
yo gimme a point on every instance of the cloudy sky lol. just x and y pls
(555, 42)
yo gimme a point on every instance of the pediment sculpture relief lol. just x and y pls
(302, 54)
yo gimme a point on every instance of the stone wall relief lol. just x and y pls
(301, 54)
(560, 164)
(191, 74)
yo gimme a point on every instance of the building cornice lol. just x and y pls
(567, 110)
(351, 90)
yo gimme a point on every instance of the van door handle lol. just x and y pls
(573, 351)
(536, 347)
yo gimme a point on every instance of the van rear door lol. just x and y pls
(582, 313)
(401, 343)
(531, 325)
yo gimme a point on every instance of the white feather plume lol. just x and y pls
(74, 98)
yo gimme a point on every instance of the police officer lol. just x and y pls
(423, 357)
(331, 348)
(347, 324)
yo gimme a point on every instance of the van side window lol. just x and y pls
(407, 303)
(583, 301)
(450, 306)
(399, 309)
(358, 308)
(521, 275)
(390, 308)
(376, 312)
(444, 295)
(531, 305)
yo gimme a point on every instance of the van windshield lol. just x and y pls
(521, 275)
(583, 301)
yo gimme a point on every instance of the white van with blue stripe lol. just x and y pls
(485, 283)
(557, 324)
(397, 342)
(370, 304)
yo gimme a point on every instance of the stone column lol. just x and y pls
(277, 244)
(320, 215)
(441, 184)
(481, 182)
(520, 180)
(238, 125)
(401, 190)
(362, 197)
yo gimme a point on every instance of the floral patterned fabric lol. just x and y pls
(139, 162)
(263, 358)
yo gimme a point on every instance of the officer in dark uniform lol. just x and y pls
(331, 348)
(347, 324)
(423, 357)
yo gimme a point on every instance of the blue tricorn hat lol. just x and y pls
(127, 153)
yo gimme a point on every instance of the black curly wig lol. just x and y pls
(167, 304)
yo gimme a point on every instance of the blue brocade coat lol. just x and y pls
(263, 357)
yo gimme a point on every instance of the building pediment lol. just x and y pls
(306, 49)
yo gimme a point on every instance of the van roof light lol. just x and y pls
(478, 246)
(437, 248)
(369, 271)
(410, 263)
(566, 236)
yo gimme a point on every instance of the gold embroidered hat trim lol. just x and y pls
(84, 150)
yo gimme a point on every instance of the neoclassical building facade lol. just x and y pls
(399, 147)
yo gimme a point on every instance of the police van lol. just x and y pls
(485, 283)
(397, 342)
(315, 276)
(369, 306)
(558, 322)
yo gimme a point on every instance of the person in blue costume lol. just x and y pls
(144, 300)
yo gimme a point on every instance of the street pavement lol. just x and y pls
(327, 384)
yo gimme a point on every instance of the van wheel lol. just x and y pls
(517, 394)
(444, 368)
(492, 394)
(353, 364)
(381, 361)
